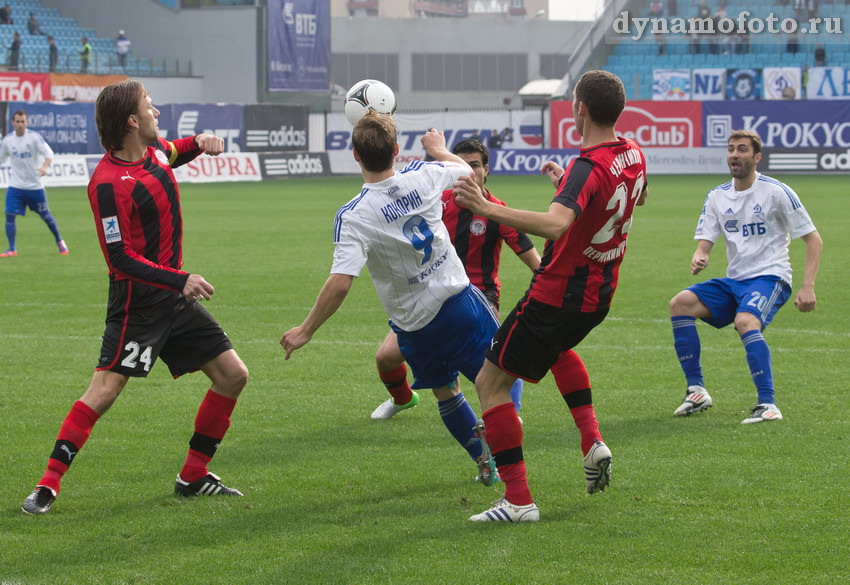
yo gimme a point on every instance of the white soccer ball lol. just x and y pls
(366, 95)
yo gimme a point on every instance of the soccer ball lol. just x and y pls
(366, 95)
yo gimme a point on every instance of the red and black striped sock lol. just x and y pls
(573, 382)
(73, 434)
(504, 435)
(211, 424)
(396, 384)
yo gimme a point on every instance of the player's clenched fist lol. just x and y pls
(209, 144)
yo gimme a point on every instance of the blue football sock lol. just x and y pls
(459, 418)
(686, 342)
(11, 230)
(51, 223)
(758, 357)
(516, 394)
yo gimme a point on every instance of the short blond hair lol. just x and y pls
(374, 138)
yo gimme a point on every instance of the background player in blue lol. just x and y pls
(394, 227)
(29, 158)
(758, 217)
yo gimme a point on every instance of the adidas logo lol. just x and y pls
(729, 212)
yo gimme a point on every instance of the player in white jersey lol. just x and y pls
(394, 228)
(24, 149)
(758, 217)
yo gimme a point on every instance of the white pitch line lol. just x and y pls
(770, 331)
(377, 309)
(592, 346)
(211, 304)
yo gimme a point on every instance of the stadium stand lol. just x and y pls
(67, 32)
(634, 60)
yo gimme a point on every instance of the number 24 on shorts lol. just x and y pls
(136, 355)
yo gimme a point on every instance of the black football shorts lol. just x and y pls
(145, 322)
(534, 334)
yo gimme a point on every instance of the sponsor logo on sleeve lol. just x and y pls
(111, 231)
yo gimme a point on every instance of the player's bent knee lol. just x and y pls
(387, 361)
(492, 380)
(388, 357)
(237, 377)
(685, 303)
(676, 305)
(229, 376)
(745, 322)
(103, 390)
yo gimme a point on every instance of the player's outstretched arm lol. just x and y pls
(330, 298)
(210, 144)
(700, 258)
(550, 224)
(805, 300)
(196, 288)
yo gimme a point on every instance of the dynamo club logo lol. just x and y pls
(743, 84)
(671, 84)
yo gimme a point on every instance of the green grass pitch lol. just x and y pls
(335, 498)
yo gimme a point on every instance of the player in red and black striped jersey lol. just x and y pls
(478, 242)
(153, 309)
(586, 228)
(137, 213)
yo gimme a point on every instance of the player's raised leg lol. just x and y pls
(393, 373)
(685, 309)
(75, 430)
(229, 376)
(573, 382)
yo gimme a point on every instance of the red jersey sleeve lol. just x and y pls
(179, 151)
(578, 186)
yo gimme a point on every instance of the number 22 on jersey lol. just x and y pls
(619, 203)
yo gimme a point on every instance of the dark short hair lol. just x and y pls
(603, 94)
(374, 138)
(114, 105)
(754, 138)
(19, 113)
(472, 145)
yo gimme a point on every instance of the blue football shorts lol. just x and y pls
(762, 296)
(453, 342)
(17, 200)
